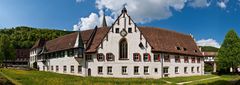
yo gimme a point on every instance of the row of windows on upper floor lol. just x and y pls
(79, 68)
(60, 54)
(146, 58)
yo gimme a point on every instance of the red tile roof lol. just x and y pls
(160, 40)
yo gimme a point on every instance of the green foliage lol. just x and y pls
(209, 49)
(7, 51)
(208, 68)
(25, 37)
(229, 53)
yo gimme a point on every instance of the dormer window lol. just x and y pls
(178, 48)
(116, 30)
(195, 51)
(185, 49)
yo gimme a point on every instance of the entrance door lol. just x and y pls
(89, 72)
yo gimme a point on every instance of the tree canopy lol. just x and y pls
(229, 53)
(25, 37)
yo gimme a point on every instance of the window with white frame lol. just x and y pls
(185, 69)
(186, 60)
(157, 57)
(64, 68)
(79, 69)
(109, 70)
(176, 70)
(198, 69)
(124, 70)
(146, 57)
(165, 70)
(72, 69)
(193, 59)
(145, 70)
(136, 70)
(100, 70)
(198, 60)
(177, 59)
(136, 57)
(192, 69)
(89, 57)
(57, 69)
(100, 57)
(166, 58)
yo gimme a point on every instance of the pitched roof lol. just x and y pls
(39, 43)
(61, 43)
(162, 40)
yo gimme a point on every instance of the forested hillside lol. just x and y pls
(25, 37)
(209, 49)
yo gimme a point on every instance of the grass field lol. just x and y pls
(48, 78)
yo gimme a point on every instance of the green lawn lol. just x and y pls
(48, 78)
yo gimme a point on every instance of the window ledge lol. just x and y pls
(146, 73)
(123, 59)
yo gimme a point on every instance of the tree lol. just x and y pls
(7, 51)
(229, 53)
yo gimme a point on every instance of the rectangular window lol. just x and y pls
(136, 57)
(100, 57)
(116, 30)
(64, 68)
(136, 72)
(177, 59)
(198, 69)
(145, 70)
(124, 70)
(198, 60)
(192, 69)
(57, 68)
(186, 59)
(72, 69)
(157, 57)
(156, 70)
(193, 59)
(129, 30)
(176, 70)
(89, 57)
(100, 70)
(109, 70)
(43, 68)
(185, 69)
(165, 70)
(79, 69)
(166, 58)
(51, 68)
(146, 57)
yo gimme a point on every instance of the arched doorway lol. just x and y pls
(89, 72)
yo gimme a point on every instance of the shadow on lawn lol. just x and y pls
(223, 82)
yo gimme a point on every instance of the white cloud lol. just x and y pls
(223, 4)
(208, 42)
(199, 3)
(143, 10)
(91, 21)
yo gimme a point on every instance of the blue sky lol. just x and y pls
(207, 20)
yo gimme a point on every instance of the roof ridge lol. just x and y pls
(150, 27)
